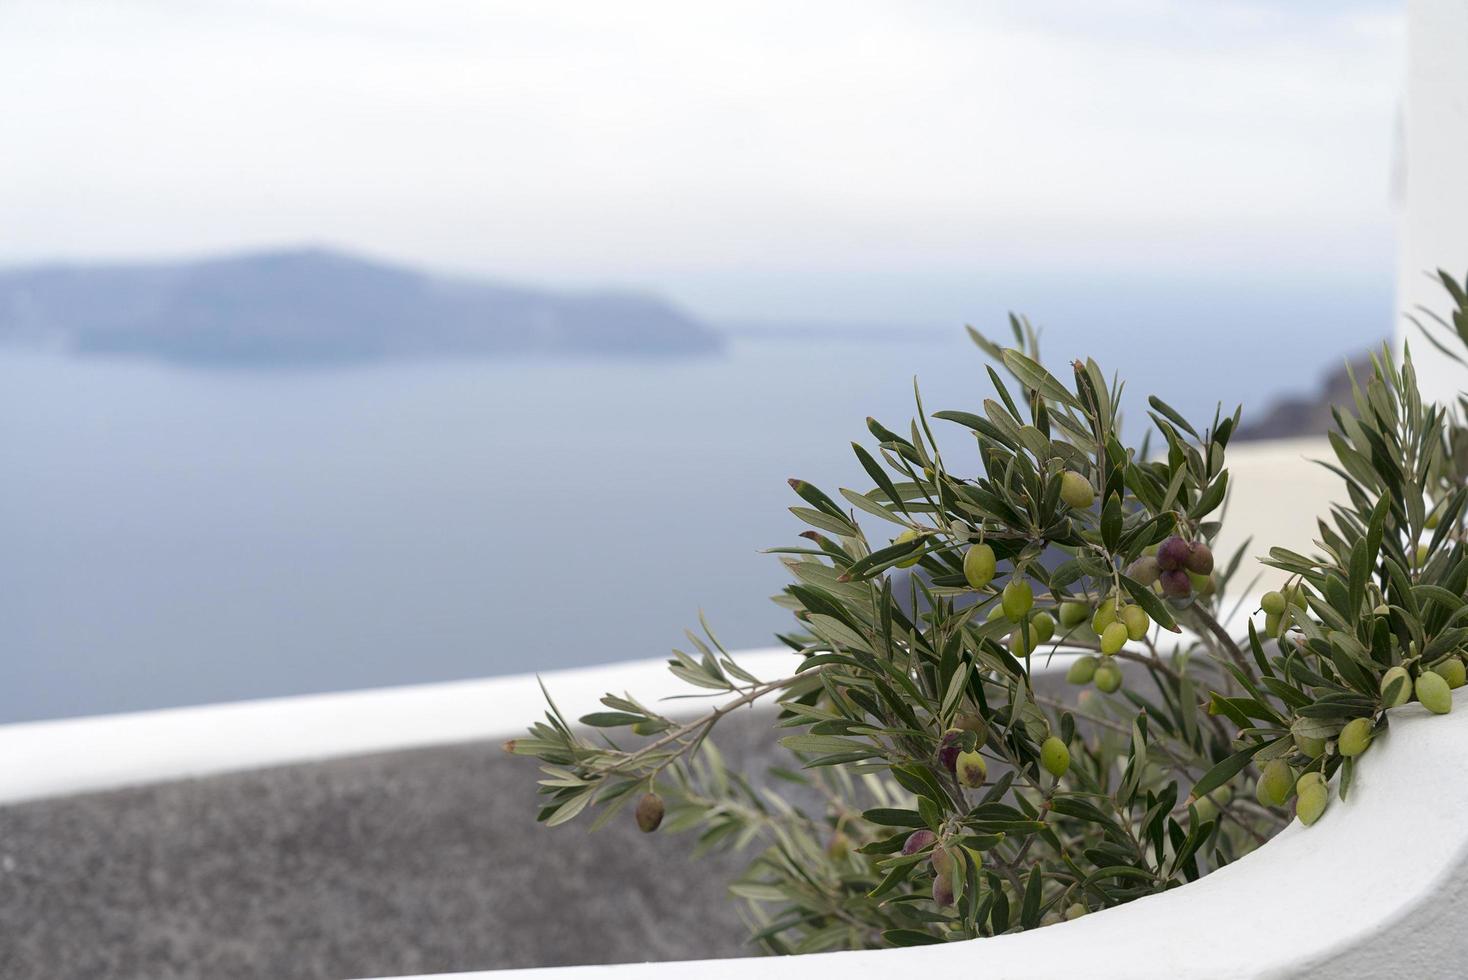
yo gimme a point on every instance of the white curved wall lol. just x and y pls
(1434, 228)
(1377, 888)
(75, 755)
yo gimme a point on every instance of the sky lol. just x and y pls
(831, 159)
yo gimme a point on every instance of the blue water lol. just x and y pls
(172, 536)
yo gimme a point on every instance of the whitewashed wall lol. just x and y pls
(1434, 223)
(77, 755)
(1377, 888)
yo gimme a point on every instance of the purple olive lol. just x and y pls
(949, 748)
(649, 812)
(1200, 558)
(916, 841)
(1175, 583)
(1172, 553)
(943, 890)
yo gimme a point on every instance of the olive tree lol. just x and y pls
(937, 788)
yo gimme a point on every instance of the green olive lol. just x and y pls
(978, 566)
(971, 769)
(1136, 622)
(1355, 737)
(1017, 599)
(1202, 584)
(1275, 783)
(1311, 802)
(1399, 677)
(1453, 672)
(1273, 603)
(1144, 570)
(1073, 614)
(1074, 911)
(1055, 757)
(1042, 625)
(1082, 670)
(1434, 693)
(1311, 746)
(1114, 638)
(1108, 677)
(1104, 617)
(903, 538)
(1076, 490)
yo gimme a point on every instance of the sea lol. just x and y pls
(173, 535)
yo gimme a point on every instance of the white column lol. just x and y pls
(1434, 230)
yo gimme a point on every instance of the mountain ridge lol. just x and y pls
(319, 305)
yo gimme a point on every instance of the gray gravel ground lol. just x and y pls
(427, 860)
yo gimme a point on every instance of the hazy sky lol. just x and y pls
(844, 158)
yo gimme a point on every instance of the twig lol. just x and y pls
(704, 723)
(1221, 635)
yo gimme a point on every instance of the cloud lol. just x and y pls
(706, 147)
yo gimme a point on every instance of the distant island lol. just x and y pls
(316, 306)
(1293, 416)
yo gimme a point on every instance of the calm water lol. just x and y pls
(173, 536)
